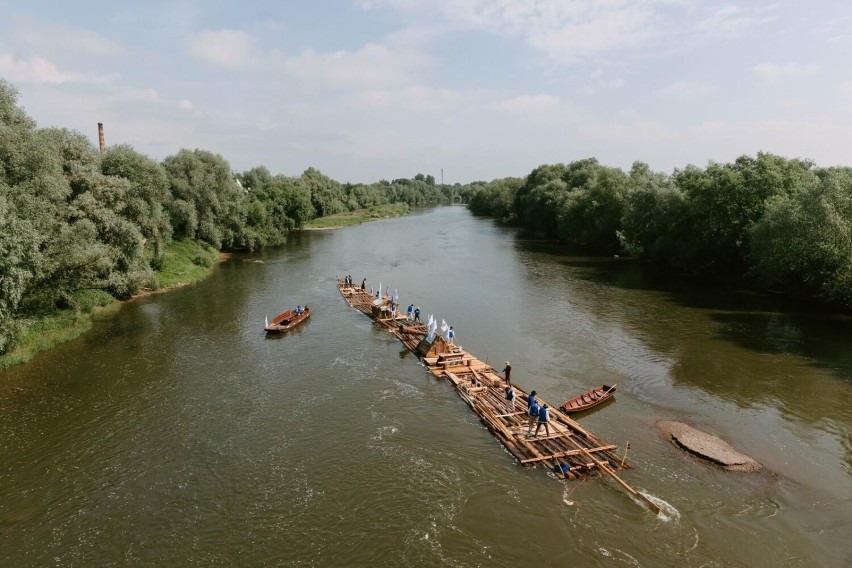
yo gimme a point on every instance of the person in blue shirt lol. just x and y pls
(417, 314)
(532, 412)
(531, 398)
(510, 396)
(451, 335)
(299, 309)
(410, 311)
(543, 418)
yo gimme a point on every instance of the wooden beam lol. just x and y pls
(567, 453)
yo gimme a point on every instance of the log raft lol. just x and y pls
(569, 451)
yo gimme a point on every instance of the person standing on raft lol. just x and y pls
(532, 412)
(507, 372)
(543, 418)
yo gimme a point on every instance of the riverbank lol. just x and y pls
(357, 217)
(184, 263)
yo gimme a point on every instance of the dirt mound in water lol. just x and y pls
(707, 446)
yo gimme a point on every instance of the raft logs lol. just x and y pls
(569, 450)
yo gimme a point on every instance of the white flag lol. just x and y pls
(444, 326)
(265, 321)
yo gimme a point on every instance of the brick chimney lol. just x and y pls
(101, 140)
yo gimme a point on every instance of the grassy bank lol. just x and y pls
(43, 332)
(359, 216)
(184, 263)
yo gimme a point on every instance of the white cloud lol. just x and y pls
(225, 48)
(685, 88)
(845, 89)
(40, 71)
(563, 29)
(417, 99)
(373, 65)
(142, 95)
(530, 104)
(185, 104)
(52, 37)
(731, 19)
(544, 111)
(789, 70)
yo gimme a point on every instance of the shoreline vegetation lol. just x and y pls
(350, 218)
(184, 263)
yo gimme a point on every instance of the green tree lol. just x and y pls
(146, 197)
(327, 195)
(803, 244)
(207, 203)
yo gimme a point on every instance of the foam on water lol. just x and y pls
(667, 511)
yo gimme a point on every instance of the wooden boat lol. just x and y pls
(588, 399)
(286, 321)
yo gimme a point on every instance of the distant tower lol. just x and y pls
(101, 139)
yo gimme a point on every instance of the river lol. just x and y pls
(175, 433)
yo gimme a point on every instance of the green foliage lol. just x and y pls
(185, 262)
(146, 197)
(327, 195)
(495, 198)
(803, 244)
(776, 222)
(359, 216)
(19, 256)
(208, 204)
(43, 332)
(653, 222)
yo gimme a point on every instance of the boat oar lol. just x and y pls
(608, 470)
(624, 458)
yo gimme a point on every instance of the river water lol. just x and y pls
(175, 433)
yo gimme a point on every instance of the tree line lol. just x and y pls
(72, 219)
(769, 222)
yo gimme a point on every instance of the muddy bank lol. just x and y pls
(707, 446)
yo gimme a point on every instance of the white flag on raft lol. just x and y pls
(431, 327)
(265, 321)
(444, 326)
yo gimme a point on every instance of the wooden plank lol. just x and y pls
(567, 453)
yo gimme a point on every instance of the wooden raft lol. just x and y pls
(569, 451)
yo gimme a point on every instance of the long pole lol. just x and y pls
(606, 469)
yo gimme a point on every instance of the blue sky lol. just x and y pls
(366, 90)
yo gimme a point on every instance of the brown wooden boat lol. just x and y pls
(286, 321)
(588, 399)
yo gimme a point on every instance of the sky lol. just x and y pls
(366, 90)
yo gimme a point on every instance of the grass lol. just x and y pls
(184, 262)
(359, 216)
(43, 332)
